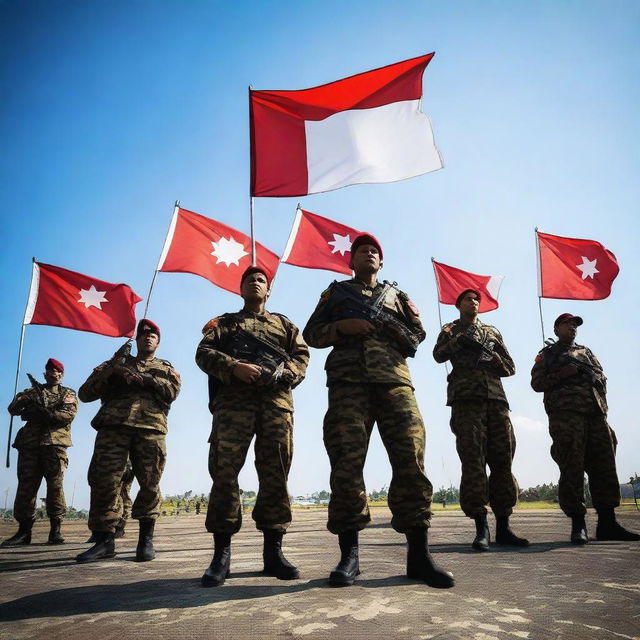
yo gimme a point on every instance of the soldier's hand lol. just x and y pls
(354, 327)
(247, 372)
(567, 371)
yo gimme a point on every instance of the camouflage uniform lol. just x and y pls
(131, 423)
(369, 381)
(480, 416)
(582, 438)
(124, 496)
(242, 410)
(42, 448)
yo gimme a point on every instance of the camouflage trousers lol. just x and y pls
(48, 462)
(233, 430)
(353, 410)
(124, 495)
(584, 443)
(147, 450)
(484, 437)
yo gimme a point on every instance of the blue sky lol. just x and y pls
(111, 111)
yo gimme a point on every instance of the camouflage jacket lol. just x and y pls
(475, 373)
(574, 393)
(48, 424)
(272, 327)
(144, 405)
(375, 358)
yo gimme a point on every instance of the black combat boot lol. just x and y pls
(345, 572)
(505, 536)
(483, 537)
(275, 564)
(103, 548)
(93, 538)
(219, 569)
(608, 528)
(55, 537)
(578, 530)
(119, 532)
(145, 550)
(23, 535)
(420, 564)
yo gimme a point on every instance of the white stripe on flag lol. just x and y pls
(33, 293)
(493, 286)
(383, 144)
(292, 236)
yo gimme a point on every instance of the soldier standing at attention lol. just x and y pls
(48, 410)
(253, 358)
(575, 399)
(369, 382)
(136, 395)
(480, 419)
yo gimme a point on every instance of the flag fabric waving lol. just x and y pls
(367, 128)
(63, 298)
(451, 282)
(202, 246)
(319, 243)
(574, 269)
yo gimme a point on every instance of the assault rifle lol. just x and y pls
(38, 389)
(593, 373)
(484, 348)
(247, 347)
(354, 305)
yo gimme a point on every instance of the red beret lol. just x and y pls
(462, 294)
(145, 323)
(366, 238)
(566, 317)
(52, 363)
(255, 269)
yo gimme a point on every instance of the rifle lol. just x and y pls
(380, 317)
(247, 347)
(485, 348)
(593, 373)
(38, 389)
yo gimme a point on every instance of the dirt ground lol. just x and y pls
(550, 590)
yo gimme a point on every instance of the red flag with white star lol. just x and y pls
(319, 243)
(574, 269)
(207, 248)
(451, 282)
(63, 298)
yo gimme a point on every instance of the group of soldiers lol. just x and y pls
(254, 358)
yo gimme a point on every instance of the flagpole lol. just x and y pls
(539, 283)
(163, 254)
(19, 365)
(435, 275)
(251, 216)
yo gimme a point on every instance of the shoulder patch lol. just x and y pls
(210, 325)
(540, 357)
(413, 307)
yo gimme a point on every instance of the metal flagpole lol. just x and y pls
(446, 366)
(253, 225)
(539, 283)
(15, 386)
(163, 254)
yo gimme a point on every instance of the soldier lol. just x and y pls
(48, 410)
(253, 358)
(480, 419)
(136, 394)
(372, 328)
(575, 399)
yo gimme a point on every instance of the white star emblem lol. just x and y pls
(229, 251)
(340, 244)
(91, 297)
(588, 267)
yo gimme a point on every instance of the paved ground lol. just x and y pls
(551, 590)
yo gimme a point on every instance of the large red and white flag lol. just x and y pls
(202, 246)
(451, 282)
(574, 269)
(367, 128)
(63, 298)
(319, 243)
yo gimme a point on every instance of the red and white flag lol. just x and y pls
(63, 298)
(202, 246)
(451, 282)
(574, 269)
(319, 243)
(367, 128)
